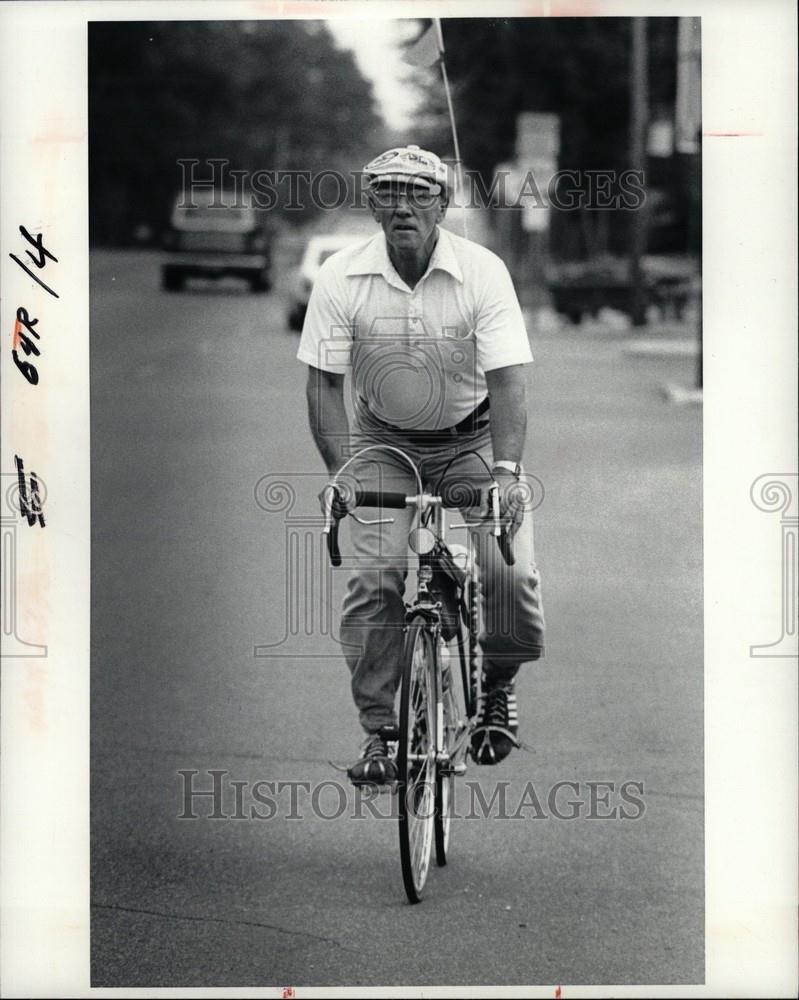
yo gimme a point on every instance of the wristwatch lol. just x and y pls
(513, 467)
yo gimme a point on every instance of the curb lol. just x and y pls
(663, 348)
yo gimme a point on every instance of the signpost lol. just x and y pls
(524, 182)
(639, 113)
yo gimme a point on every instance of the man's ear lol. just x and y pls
(442, 209)
(373, 206)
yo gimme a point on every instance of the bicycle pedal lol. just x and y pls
(485, 730)
(376, 786)
(384, 788)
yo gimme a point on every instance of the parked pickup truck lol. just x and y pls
(211, 241)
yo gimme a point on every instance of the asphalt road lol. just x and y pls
(196, 397)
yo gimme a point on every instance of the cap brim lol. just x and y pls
(414, 179)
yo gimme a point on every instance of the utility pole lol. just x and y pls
(639, 121)
(688, 117)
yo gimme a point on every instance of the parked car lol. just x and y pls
(213, 241)
(584, 287)
(317, 251)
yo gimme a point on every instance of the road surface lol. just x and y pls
(195, 398)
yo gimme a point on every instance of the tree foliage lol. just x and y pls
(262, 94)
(579, 69)
(575, 67)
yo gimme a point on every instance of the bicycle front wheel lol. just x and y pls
(416, 757)
(445, 776)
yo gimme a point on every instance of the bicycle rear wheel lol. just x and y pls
(445, 777)
(416, 757)
(459, 698)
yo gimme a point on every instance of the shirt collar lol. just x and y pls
(372, 258)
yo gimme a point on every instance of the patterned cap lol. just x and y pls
(408, 163)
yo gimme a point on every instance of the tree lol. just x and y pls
(577, 68)
(262, 94)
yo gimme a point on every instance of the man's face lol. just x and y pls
(408, 214)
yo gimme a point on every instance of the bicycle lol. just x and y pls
(437, 717)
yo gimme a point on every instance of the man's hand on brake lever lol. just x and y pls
(343, 499)
(511, 508)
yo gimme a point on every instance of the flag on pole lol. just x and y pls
(426, 51)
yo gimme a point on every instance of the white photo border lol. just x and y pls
(749, 293)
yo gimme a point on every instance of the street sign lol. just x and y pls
(537, 134)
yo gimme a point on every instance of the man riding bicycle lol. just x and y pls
(429, 330)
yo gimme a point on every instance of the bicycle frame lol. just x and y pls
(423, 605)
(429, 515)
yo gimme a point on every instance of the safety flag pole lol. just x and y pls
(426, 51)
(455, 143)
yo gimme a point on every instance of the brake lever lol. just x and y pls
(493, 497)
(497, 531)
(330, 495)
(331, 526)
(330, 492)
(366, 520)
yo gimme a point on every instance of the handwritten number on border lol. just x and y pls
(30, 504)
(25, 337)
(39, 258)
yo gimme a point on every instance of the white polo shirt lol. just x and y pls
(417, 357)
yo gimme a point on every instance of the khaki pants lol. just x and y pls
(374, 609)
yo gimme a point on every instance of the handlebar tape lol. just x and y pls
(506, 548)
(380, 498)
(332, 544)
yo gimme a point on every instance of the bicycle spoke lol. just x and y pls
(417, 760)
